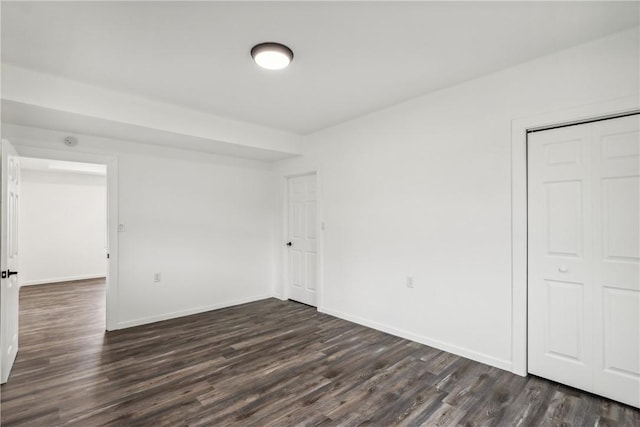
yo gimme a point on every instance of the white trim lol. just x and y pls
(62, 279)
(112, 299)
(519, 129)
(285, 233)
(440, 345)
(284, 260)
(188, 312)
(320, 234)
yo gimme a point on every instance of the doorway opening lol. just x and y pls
(519, 130)
(68, 204)
(63, 221)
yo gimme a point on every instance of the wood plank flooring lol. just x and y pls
(268, 363)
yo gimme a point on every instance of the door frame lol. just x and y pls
(111, 162)
(285, 233)
(519, 221)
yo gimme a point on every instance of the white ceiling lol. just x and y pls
(351, 58)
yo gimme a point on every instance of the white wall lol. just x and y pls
(423, 189)
(62, 227)
(205, 222)
(207, 228)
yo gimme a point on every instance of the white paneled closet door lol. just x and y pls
(584, 257)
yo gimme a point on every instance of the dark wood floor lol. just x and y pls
(269, 363)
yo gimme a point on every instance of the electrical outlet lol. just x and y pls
(121, 228)
(156, 277)
(409, 281)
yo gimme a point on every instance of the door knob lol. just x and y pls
(289, 244)
(563, 269)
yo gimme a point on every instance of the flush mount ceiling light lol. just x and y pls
(272, 56)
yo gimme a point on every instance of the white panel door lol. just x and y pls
(302, 244)
(560, 276)
(9, 290)
(584, 249)
(616, 177)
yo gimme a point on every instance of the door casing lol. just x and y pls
(285, 224)
(111, 162)
(519, 221)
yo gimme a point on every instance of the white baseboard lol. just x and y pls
(62, 279)
(440, 345)
(174, 314)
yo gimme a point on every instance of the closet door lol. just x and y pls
(560, 285)
(616, 263)
(583, 281)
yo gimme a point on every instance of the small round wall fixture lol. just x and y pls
(272, 56)
(71, 141)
